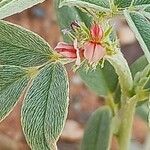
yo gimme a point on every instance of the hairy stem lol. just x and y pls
(122, 69)
(125, 130)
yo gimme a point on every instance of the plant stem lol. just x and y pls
(125, 130)
(122, 69)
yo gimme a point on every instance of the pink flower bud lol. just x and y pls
(93, 52)
(66, 50)
(96, 32)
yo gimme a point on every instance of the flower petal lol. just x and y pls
(96, 32)
(66, 50)
(63, 45)
(98, 54)
(88, 50)
(93, 52)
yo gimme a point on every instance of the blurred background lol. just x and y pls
(42, 20)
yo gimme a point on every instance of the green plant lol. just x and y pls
(29, 65)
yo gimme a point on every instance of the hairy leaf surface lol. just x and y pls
(146, 12)
(141, 2)
(96, 4)
(98, 130)
(133, 3)
(122, 3)
(10, 7)
(13, 81)
(141, 28)
(21, 47)
(45, 108)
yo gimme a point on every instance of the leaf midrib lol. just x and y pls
(53, 72)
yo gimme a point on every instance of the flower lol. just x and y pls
(70, 51)
(66, 50)
(93, 49)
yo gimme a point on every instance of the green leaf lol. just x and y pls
(10, 7)
(141, 28)
(65, 18)
(142, 79)
(132, 3)
(102, 80)
(102, 3)
(146, 12)
(13, 81)
(97, 5)
(143, 112)
(141, 73)
(147, 9)
(84, 17)
(98, 131)
(147, 84)
(141, 2)
(138, 65)
(45, 108)
(21, 47)
(122, 3)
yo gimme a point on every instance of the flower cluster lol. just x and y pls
(88, 44)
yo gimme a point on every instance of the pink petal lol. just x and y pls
(93, 52)
(88, 51)
(63, 45)
(66, 50)
(96, 31)
(99, 53)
